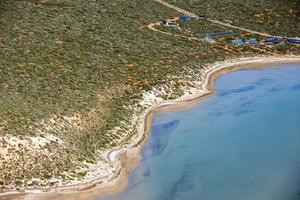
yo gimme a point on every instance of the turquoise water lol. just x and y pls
(242, 144)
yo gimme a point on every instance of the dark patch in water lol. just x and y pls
(274, 89)
(147, 172)
(160, 137)
(241, 108)
(242, 112)
(183, 184)
(171, 125)
(188, 130)
(247, 104)
(263, 81)
(238, 90)
(132, 186)
(296, 87)
(217, 114)
(244, 108)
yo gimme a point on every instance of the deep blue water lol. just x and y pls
(242, 144)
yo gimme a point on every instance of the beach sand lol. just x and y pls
(130, 157)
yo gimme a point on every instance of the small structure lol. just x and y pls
(293, 40)
(251, 41)
(238, 42)
(185, 18)
(274, 41)
(207, 39)
(171, 23)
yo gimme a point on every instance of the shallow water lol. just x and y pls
(243, 143)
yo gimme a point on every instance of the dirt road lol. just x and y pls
(211, 20)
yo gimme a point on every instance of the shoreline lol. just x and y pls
(129, 157)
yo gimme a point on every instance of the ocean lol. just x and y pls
(241, 144)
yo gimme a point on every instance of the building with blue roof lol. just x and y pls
(238, 42)
(185, 18)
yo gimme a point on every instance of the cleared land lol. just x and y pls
(72, 74)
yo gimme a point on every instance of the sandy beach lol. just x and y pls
(129, 157)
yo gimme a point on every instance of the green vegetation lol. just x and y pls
(193, 27)
(90, 60)
(271, 16)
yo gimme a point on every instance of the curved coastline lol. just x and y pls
(129, 157)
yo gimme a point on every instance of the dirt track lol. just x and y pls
(211, 20)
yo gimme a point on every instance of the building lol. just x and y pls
(274, 41)
(171, 23)
(251, 41)
(293, 40)
(238, 42)
(185, 18)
